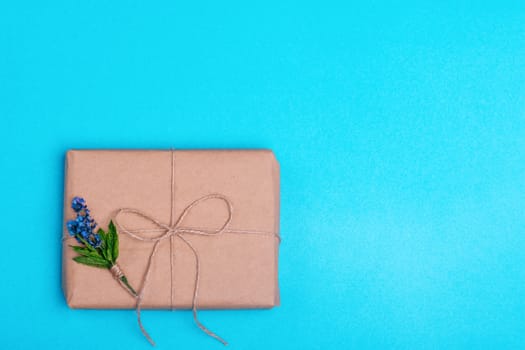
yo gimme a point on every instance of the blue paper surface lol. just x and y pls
(399, 127)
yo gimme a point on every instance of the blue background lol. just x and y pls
(400, 132)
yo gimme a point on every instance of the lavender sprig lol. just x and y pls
(98, 249)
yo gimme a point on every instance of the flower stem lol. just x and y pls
(121, 278)
(130, 288)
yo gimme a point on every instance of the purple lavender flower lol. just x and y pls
(72, 227)
(83, 227)
(78, 204)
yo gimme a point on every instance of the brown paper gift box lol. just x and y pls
(237, 269)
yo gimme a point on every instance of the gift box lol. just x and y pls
(211, 216)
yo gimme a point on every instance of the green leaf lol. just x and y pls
(102, 234)
(85, 251)
(103, 237)
(111, 227)
(109, 246)
(92, 261)
(113, 232)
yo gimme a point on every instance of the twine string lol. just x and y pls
(174, 231)
(172, 217)
(116, 272)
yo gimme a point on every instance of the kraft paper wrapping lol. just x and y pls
(236, 270)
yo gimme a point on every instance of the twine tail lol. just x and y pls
(142, 291)
(123, 281)
(196, 294)
(142, 329)
(206, 330)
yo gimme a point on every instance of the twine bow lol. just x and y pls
(176, 230)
